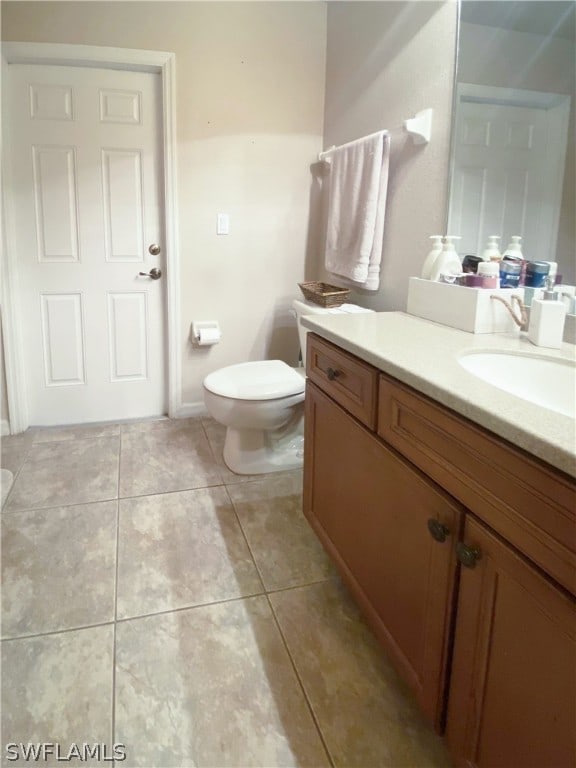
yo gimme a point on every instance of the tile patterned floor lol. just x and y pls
(153, 598)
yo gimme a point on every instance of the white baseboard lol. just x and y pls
(4, 427)
(190, 410)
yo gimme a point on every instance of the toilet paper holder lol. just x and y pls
(205, 332)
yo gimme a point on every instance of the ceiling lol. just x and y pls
(542, 17)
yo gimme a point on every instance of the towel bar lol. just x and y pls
(419, 127)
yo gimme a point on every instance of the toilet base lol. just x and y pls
(257, 451)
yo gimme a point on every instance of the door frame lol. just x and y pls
(160, 62)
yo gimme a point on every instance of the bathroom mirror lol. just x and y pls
(512, 158)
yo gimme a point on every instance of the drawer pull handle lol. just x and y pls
(437, 530)
(332, 374)
(468, 556)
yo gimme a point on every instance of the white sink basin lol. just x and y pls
(545, 381)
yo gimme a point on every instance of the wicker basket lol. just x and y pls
(324, 294)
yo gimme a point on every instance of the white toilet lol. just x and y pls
(262, 405)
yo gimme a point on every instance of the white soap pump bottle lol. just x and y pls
(514, 248)
(448, 262)
(491, 252)
(432, 256)
(547, 316)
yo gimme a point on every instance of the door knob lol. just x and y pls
(154, 273)
(332, 374)
(154, 249)
(467, 555)
(438, 530)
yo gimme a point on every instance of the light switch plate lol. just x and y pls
(222, 224)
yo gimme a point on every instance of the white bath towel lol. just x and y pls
(358, 182)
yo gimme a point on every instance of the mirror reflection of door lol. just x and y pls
(513, 171)
(508, 167)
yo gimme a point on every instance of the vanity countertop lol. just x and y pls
(425, 355)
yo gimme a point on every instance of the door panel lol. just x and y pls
(85, 151)
(55, 197)
(122, 197)
(127, 313)
(512, 695)
(63, 339)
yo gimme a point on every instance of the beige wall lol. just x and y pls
(4, 417)
(508, 59)
(385, 62)
(250, 91)
(252, 79)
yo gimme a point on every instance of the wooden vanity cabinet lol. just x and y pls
(482, 622)
(372, 510)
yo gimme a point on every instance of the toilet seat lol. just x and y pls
(260, 380)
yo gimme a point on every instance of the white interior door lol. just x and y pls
(85, 157)
(505, 177)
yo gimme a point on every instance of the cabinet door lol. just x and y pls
(371, 510)
(512, 695)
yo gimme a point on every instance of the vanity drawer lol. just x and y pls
(349, 381)
(526, 501)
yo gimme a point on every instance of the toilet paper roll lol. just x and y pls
(207, 336)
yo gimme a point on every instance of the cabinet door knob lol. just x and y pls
(332, 374)
(438, 530)
(468, 556)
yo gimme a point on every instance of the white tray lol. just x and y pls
(469, 309)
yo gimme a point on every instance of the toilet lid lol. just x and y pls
(262, 380)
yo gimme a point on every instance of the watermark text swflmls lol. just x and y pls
(41, 752)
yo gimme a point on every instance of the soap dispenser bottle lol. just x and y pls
(432, 256)
(547, 316)
(448, 262)
(514, 250)
(491, 252)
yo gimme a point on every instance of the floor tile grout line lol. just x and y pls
(137, 496)
(283, 639)
(124, 619)
(213, 453)
(59, 506)
(15, 476)
(114, 498)
(243, 532)
(279, 590)
(117, 532)
(73, 439)
(62, 631)
(268, 590)
(113, 702)
(300, 683)
(116, 572)
(115, 621)
(128, 426)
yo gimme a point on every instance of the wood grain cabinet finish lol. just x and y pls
(526, 501)
(496, 665)
(350, 381)
(512, 699)
(371, 511)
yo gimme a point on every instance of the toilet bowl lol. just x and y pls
(261, 404)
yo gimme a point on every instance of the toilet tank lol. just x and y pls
(305, 308)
